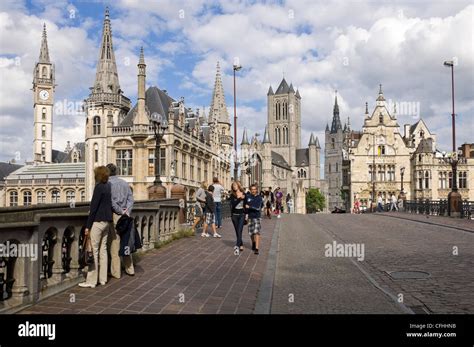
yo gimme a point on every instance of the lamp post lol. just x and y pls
(454, 197)
(160, 124)
(402, 195)
(236, 67)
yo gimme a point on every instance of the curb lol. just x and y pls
(426, 222)
(265, 292)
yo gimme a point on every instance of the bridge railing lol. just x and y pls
(39, 246)
(435, 207)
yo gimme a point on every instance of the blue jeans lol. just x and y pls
(218, 214)
(238, 221)
(379, 207)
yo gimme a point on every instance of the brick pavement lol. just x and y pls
(204, 270)
(394, 244)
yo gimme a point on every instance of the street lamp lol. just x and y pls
(236, 67)
(402, 196)
(454, 197)
(160, 124)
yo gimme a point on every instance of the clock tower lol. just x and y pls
(43, 98)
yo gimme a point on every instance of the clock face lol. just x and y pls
(44, 94)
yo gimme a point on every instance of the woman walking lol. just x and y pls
(98, 225)
(199, 205)
(237, 199)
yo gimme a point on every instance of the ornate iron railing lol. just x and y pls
(437, 208)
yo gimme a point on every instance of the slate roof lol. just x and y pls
(278, 160)
(65, 170)
(283, 88)
(7, 168)
(58, 156)
(302, 157)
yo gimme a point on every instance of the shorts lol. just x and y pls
(209, 218)
(255, 226)
(198, 210)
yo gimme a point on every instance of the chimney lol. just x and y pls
(406, 133)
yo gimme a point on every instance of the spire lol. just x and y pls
(366, 108)
(348, 124)
(317, 143)
(106, 78)
(283, 88)
(44, 52)
(298, 94)
(270, 91)
(380, 97)
(292, 90)
(336, 121)
(266, 136)
(218, 110)
(327, 127)
(245, 140)
(312, 140)
(141, 61)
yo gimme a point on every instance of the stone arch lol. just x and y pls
(8, 273)
(69, 247)
(48, 244)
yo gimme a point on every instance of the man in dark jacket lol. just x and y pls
(209, 210)
(254, 205)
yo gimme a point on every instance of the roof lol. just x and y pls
(65, 170)
(80, 147)
(283, 88)
(425, 146)
(302, 157)
(58, 156)
(156, 100)
(278, 160)
(7, 168)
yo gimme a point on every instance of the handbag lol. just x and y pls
(86, 256)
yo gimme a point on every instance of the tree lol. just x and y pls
(315, 201)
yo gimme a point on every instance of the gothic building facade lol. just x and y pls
(373, 160)
(278, 160)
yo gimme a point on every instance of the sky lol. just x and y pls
(319, 46)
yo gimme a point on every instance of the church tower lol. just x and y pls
(219, 115)
(105, 107)
(43, 91)
(334, 139)
(284, 120)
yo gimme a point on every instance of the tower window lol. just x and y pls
(43, 113)
(44, 72)
(43, 131)
(96, 125)
(96, 153)
(333, 143)
(43, 149)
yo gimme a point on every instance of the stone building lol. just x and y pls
(278, 160)
(192, 148)
(374, 158)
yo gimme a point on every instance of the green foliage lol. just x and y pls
(315, 201)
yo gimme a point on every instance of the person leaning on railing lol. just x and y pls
(98, 226)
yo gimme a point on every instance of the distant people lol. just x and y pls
(393, 204)
(254, 204)
(268, 204)
(279, 202)
(98, 225)
(287, 199)
(237, 200)
(122, 204)
(379, 203)
(272, 197)
(356, 206)
(209, 210)
(290, 205)
(199, 205)
(217, 194)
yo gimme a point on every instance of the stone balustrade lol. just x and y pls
(53, 233)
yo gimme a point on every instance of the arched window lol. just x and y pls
(83, 195)
(276, 111)
(333, 143)
(96, 125)
(43, 148)
(55, 196)
(96, 152)
(70, 196)
(44, 72)
(26, 198)
(337, 167)
(41, 197)
(43, 113)
(13, 198)
(43, 131)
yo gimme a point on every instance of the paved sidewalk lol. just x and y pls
(192, 275)
(458, 223)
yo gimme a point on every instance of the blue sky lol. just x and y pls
(320, 46)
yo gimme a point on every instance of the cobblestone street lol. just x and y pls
(394, 242)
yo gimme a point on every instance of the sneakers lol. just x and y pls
(256, 251)
(241, 248)
(86, 285)
(217, 235)
(236, 250)
(205, 235)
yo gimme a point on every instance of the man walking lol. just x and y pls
(122, 204)
(209, 210)
(380, 203)
(254, 204)
(217, 195)
(393, 205)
